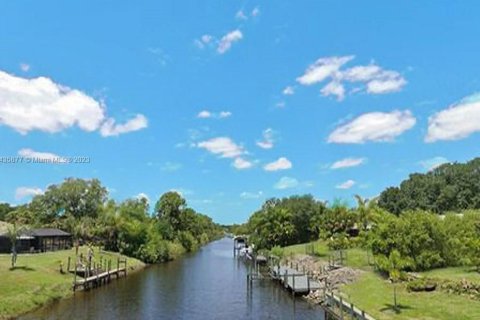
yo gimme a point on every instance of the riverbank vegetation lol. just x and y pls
(423, 235)
(82, 208)
(36, 280)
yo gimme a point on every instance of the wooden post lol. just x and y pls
(363, 315)
(352, 312)
(341, 308)
(75, 278)
(109, 267)
(293, 284)
(118, 266)
(308, 283)
(68, 264)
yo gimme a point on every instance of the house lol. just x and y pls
(35, 240)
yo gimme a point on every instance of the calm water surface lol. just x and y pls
(209, 284)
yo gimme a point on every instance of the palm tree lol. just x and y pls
(393, 265)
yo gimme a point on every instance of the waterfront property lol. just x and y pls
(35, 240)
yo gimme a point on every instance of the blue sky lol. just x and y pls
(233, 102)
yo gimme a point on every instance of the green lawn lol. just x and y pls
(454, 273)
(36, 280)
(375, 295)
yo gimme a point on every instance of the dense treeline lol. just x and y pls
(403, 225)
(425, 241)
(422, 240)
(82, 208)
(449, 187)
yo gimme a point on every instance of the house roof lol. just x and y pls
(47, 232)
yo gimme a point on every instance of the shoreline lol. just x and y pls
(36, 282)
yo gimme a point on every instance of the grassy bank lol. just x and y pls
(374, 294)
(37, 280)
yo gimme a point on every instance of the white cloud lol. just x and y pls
(430, 164)
(288, 91)
(334, 88)
(25, 67)
(374, 126)
(110, 128)
(372, 78)
(44, 156)
(255, 12)
(268, 139)
(41, 104)
(456, 122)
(223, 146)
(142, 195)
(346, 185)
(241, 164)
(204, 40)
(227, 40)
(392, 83)
(361, 73)
(251, 195)
(240, 15)
(23, 192)
(224, 114)
(286, 183)
(347, 163)
(322, 69)
(205, 114)
(281, 164)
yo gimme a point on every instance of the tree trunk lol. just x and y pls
(395, 296)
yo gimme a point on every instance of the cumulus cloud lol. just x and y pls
(346, 185)
(41, 104)
(374, 126)
(268, 139)
(334, 88)
(347, 163)
(322, 69)
(373, 78)
(241, 164)
(456, 122)
(23, 192)
(281, 164)
(227, 40)
(110, 128)
(204, 114)
(430, 164)
(227, 148)
(223, 146)
(286, 183)
(44, 156)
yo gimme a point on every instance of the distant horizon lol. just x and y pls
(231, 103)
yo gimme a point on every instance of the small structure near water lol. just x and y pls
(35, 240)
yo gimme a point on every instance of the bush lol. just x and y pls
(277, 251)
(187, 240)
(420, 285)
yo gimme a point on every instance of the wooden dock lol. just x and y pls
(97, 274)
(296, 281)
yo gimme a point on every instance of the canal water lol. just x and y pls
(208, 284)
